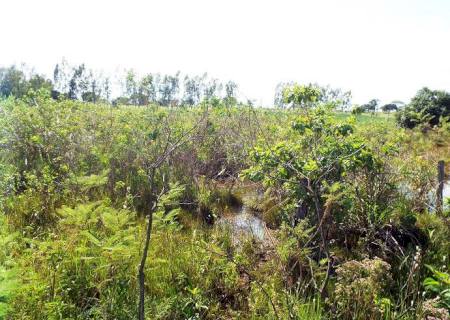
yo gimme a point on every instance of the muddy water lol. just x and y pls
(406, 190)
(243, 223)
(445, 194)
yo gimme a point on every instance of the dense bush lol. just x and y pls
(344, 200)
(427, 107)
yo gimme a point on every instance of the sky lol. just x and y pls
(384, 49)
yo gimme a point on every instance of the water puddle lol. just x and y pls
(446, 194)
(244, 223)
(431, 196)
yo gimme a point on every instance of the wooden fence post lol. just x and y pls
(440, 188)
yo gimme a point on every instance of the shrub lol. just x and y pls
(360, 289)
(428, 107)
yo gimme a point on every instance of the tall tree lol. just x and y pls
(371, 106)
(192, 90)
(168, 89)
(12, 82)
(131, 87)
(212, 89)
(77, 83)
(147, 90)
(230, 93)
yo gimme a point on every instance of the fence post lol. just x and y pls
(440, 188)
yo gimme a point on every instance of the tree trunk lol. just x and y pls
(319, 212)
(141, 312)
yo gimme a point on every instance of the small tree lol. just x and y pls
(371, 106)
(310, 169)
(302, 96)
(358, 110)
(161, 145)
(389, 107)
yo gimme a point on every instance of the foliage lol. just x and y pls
(427, 107)
(301, 96)
(371, 106)
(439, 284)
(361, 289)
(358, 110)
(345, 200)
(314, 161)
(8, 269)
(14, 82)
(332, 96)
(389, 107)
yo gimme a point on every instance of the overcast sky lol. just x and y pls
(384, 49)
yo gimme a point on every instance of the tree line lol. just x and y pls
(78, 82)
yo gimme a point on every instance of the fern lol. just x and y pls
(439, 284)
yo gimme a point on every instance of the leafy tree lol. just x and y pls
(302, 96)
(131, 87)
(389, 107)
(426, 107)
(371, 106)
(400, 104)
(121, 100)
(192, 90)
(310, 168)
(358, 110)
(147, 90)
(329, 95)
(92, 88)
(168, 89)
(38, 82)
(14, 82)
(139, 91)
(80, 83)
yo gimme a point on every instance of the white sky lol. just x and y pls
(384, 49)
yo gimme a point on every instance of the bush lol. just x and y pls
(428, 107)
(361, 288)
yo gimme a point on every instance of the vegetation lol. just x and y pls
(428, 107)
(110, 211)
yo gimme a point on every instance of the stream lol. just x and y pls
(242, 223)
